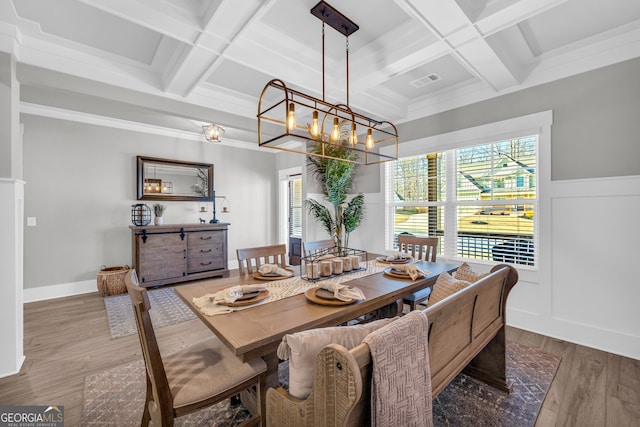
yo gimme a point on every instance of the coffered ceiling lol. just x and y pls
(169, 65)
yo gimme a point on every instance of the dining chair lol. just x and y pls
(250, 259)
(421, 249)
(194, 377)
(318, 247)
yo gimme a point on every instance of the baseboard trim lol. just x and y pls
(75, 288)
(59, 291)
(17, 371)
(601, 339)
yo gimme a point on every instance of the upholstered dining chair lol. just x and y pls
(421, 249)
(194, 377)
(318, 247)
(250, 259)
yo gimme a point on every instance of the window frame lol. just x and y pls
(534, 124)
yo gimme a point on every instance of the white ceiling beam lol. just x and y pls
(448, 21)
(442, 17)
(264, 51)
(502, 15)
(482, 59)
(229, 21)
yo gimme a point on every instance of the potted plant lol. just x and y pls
(158, 210)
(336, 178)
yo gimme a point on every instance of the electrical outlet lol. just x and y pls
(31, 221)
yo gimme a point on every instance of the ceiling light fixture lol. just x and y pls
(213, 132)
(321, 135)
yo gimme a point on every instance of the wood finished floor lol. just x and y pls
(67, 339)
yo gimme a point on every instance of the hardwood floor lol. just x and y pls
(68, 338)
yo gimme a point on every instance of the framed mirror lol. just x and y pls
(164, 179)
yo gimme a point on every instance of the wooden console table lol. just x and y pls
(173, 253)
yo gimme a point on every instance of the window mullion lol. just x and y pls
(450, 211)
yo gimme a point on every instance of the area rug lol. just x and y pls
(469, 402)
(166, 309)
(116, 397)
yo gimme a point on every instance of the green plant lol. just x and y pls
(336, 178)
(158, 209)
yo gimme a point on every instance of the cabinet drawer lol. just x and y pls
(205, 238)
(205, 263)
(204, 251)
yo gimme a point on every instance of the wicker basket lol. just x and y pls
(111, 280)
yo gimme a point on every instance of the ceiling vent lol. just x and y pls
(423, 81)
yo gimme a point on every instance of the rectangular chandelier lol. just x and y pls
(324, 129)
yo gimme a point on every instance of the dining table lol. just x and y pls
(257, 331)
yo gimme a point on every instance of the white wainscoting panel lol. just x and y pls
(589, 287)
(595, 262)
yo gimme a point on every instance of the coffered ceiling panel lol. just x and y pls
(410, 58)
(431, 77)
(239, 78)
(113, 34)
(578, 20)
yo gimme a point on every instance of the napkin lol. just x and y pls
(231, 294)
(398, 257)
(413, 271)
(343, 292)
(274, 268)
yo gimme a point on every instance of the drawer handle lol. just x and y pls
(203, 251)
(205, 238)
(205, 263)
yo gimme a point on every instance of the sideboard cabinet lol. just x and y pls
(173, 253)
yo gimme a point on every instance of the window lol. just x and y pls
(295, 206)
(479, 199)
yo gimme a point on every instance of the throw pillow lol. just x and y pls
(465, 272)
(302, 348)
(445, 286)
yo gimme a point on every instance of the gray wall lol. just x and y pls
(596, 121)
(81, 185)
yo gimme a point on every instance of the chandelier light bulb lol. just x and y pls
(315, 126)
(291, 117)
(369, 140)
(335, 133)
(354, 135)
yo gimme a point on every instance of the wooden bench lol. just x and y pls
(466, 332)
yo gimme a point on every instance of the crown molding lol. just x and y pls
(98, 120)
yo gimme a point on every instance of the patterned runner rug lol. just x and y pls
(116, 397)
(168, 309)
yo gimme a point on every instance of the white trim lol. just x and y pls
(283, 202)
(12, 273)
(98, 120)
(62, 290)
(603, 339)
(16, 371)
(58, 291)
(486, 133)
